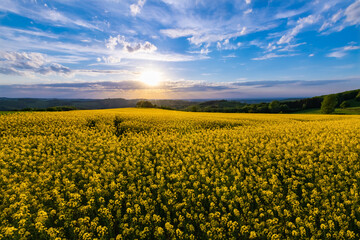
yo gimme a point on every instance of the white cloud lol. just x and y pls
(301, 23)
(30, 63)
(232, 55)
(203, 51)
(227, 45)
(43, 13)
(332, 21)
(182, 88)
(111, 59)
(248, 11)
(205, 25)
(273, 55)
(200, 38)
(214, 25)
(23, 60)
(9, 71)
(290, 47)
(184, 5)
(289, 13)
(98, 72)
(54, 68)
(9, 6)
(353, 13)
(337, 54)
(342, 19)
(8, 31)
(23, 63)
(112, 42)
(161, 57)
(342, 52)
(135, 9)
(337, 16)
(129, 47)
(74, 53)
(176, 33)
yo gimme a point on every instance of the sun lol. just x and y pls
(151, 78)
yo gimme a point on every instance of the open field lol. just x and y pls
(338, 111)
(5, 112)
(348, 111)
(157, 174)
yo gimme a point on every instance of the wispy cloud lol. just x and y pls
(232, 55)
(7, 31)
(176, 33)
(28, 63)
(290, 13)
(201, 36)
(9, 6)
(9, 71)
(184, 88)
(341, 19)
(135, 8)
(273, 55)
(199, 30)
(329, 24)
(21, 63)
(267, 84)
(342, 51)
(45, 14)
(353, 13)
(102, 72)
(300, 24)
(113, 51)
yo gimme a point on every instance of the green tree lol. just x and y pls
(194, 108)
(344, 104)
(284, 108)
(328, 104)
(144, 104)
(274, 106)
(358, 97)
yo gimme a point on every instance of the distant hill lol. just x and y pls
(348, 103)
(18, 104)
(10, 104)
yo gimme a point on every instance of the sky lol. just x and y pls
(178, 49)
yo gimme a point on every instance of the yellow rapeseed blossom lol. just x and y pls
(157, 174)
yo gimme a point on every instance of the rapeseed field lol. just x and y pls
(157, 174)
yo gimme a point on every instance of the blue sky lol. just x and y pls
(194, 48)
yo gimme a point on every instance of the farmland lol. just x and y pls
(158, 174)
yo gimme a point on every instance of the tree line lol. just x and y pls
(326, 103)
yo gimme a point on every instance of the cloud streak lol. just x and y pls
(20, 63)
(342, 51)
(353, 13)
(191, 89)
(273, 55)
(27, 63)
(300, 24)
(269, 84)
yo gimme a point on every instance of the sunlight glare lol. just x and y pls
(151, 78)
